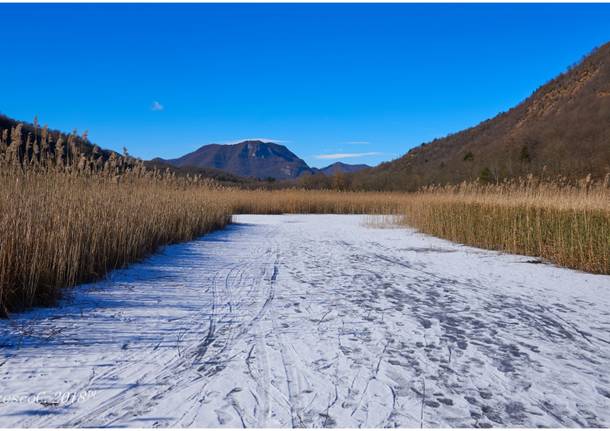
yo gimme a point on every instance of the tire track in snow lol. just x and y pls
(320, 321)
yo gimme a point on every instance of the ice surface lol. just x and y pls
(316, 320)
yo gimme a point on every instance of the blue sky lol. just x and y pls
(329, 81)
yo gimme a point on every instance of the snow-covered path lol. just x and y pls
(316, 320)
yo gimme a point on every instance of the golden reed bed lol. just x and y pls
(57, 230)
(566, 224)
(71, 218)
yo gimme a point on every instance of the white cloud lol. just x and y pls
(156, 106)
(358, 143)
(347, 155)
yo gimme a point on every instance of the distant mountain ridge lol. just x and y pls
(341, 168)
(255, 159)
(236, 164)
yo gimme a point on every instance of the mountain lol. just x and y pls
(256, 159)
(343, 168)
(563, 128)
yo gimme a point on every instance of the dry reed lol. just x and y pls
(299, 201)
(567, 224)
(57, 230)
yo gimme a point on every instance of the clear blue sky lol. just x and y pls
(163, 80)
